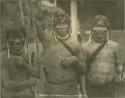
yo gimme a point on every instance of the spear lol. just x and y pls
(34, 29)
(33, 19)
(21, 11)
(22, 18)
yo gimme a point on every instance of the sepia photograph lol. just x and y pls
(62, 49)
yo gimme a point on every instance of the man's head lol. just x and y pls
(100, 28)
(62, 25)
(15, 36)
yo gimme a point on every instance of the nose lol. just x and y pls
(62, 25)
(100, 28)
(17, 40)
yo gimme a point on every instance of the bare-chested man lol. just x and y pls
(16, 70)
(62, 65)
(104, 65)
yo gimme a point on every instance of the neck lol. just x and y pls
(100, 41)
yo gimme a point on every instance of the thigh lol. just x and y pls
(121, 89)
(100, 91)
(25, 97)
(20, 97)
(62, 96)
(92, 91)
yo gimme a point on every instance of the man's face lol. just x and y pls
(16, 42)
(62, 27)
(99, 32)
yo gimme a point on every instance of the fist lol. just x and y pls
(67, 62)
(19, 60)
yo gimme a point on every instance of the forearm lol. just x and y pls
(32, 70)
(83, 85)
(81, 67)
(119, 69)
(81, 61)
(118, 62)
(12, 84)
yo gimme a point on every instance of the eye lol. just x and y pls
(58, 26)
(96, 28)
(21, 39)
(11, 40)
(104, 28)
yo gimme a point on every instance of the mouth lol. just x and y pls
(62, 33)
(99, 32)
(18, 47)
(99, 35)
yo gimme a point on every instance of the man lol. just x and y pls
(16, 68)
(62, 58)
(103, 60)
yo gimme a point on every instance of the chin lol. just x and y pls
(99, 40)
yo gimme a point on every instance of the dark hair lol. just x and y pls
(102, 18)
(65, 16)
(61, 14)
(15, 29)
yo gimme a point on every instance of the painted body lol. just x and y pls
(106, 66)
(61, 66)
(103, 69)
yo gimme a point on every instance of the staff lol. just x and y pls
(22, 17)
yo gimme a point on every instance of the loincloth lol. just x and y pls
(62, 90)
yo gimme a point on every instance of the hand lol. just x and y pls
(19, 61)
(69, 61)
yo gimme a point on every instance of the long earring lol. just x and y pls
(54, 35)
(90, 38)
(108, 40)
(28, 51)
(70, 31)
(8, 51)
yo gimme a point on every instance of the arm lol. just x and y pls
(31, 69)
(118, 64)
(82, 68)
(12, 84)
(81, 55)
(77, 59)
(83, 86)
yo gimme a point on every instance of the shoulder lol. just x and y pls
(3, 55)
(75, 45)
(114, 45)
(3, 58)
(86, 46)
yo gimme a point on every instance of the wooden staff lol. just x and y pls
(22, 18)
(29, 13)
